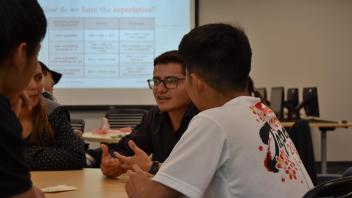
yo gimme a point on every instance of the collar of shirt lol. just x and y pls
(189, 114)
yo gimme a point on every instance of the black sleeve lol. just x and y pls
(141, 135)
(67, 153)
(14, 174)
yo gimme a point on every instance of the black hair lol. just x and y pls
(250, 86)
(20, 21)
(170, 57)
(220, 54)
(253, 92)
(55, 75)
(45, 68)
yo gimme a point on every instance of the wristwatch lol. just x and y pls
(154, 168)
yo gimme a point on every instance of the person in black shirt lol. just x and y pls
(161, 128)
(23, 26)
(51, 142)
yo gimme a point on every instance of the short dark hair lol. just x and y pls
(54, 74)
(220, 54)
(45, 68)
(170, 57)
(20, 21)
(250, 86)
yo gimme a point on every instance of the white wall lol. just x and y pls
(295, 44)
(298, 44)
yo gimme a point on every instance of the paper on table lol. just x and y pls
(58, 188)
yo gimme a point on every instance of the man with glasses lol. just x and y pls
(235, 147)
(161, 128)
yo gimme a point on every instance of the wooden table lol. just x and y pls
(89, 183)
(104, 138)
(324, 128)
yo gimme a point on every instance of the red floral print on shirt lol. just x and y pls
(276, 143)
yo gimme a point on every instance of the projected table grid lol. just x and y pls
(101, 47)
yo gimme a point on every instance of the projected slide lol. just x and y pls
(110, 43)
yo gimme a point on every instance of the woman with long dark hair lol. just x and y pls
(51, 142)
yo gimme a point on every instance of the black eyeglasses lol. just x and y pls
(170, 82)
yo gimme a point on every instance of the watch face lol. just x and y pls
(154, 168)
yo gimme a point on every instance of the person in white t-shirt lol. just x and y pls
(235, 147)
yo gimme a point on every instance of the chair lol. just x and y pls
(341, 187)
(277, 101)
(261, 93)
(347, 172)
(300, 134)
(77, 124)
(119, 117)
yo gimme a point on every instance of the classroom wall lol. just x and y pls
(298, 44)
(295, 44)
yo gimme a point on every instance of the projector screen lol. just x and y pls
(105, 48)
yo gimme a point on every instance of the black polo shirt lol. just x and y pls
(14, 174)
(155, 134)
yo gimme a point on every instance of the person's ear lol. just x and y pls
(197, 82)
(20, 57)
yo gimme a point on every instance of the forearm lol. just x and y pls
(156, 190)
(121, 147)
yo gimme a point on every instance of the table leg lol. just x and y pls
(323, 152)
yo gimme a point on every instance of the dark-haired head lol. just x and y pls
(22, 28)
(220, 54)
(170, 57)
(250, 86)
(21, 21)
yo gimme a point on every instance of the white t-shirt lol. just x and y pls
(237, 150)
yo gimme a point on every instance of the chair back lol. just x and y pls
(119, 117)
(300, 135)
(77, 124)
(341, 187)
(347, 172)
